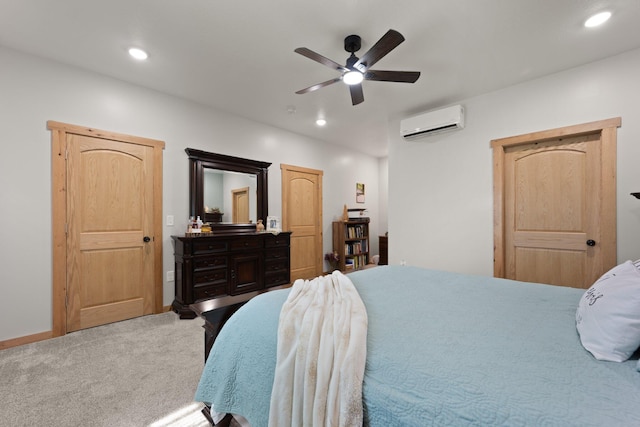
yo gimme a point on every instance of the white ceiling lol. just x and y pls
(237, 55)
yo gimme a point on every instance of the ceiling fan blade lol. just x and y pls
(319, 58)
(386, 44)
(318, 86)
(357, 96)
(392, 76)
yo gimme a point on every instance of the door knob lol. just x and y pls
(591, 242)
(147, 239)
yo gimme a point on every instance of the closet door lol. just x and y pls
(107, 227)
(109, 249)
(302, 215)
(555, 211)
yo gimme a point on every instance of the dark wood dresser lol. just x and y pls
(227, 264)
(383, 246)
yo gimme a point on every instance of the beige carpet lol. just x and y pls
(140, 372)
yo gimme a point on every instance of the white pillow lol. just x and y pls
(608, 315)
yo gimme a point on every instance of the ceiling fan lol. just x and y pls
(358, 69)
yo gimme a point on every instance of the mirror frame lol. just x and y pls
(199, 160)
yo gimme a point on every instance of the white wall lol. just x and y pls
(440, 188)
(34, 90)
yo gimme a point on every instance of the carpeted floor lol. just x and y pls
(139, 372)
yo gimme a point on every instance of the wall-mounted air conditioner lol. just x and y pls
(433, 122)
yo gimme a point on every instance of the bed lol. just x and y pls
(443, 349)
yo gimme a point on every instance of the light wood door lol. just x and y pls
(240, 205)
(302, 215)
(113, 232)
(557, 203)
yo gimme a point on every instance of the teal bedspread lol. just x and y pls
(443, 349)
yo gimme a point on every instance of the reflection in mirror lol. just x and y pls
(228, 192)
(229, 196)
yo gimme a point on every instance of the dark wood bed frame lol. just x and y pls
(216, 312)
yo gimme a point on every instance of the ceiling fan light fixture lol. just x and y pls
(352, 77)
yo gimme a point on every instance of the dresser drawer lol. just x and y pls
(248, 243)
(276, 253)
(274, 241)
(275, 279)
(209, 262)
(210, 277)
(277, 265)
(205, 246)
(206, 292)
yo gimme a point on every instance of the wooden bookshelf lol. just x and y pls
(351, 243)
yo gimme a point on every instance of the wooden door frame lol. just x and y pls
(608, 140)
(285, 202)
(59, 132)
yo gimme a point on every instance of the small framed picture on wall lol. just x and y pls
(359, 192)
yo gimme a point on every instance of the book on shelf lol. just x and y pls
(353, 248)
(355, 262)
(355, 231)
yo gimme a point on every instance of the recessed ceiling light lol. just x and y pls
(138, 53)
(321, 122)
(597, 19)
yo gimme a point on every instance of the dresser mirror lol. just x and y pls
(230, 193)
